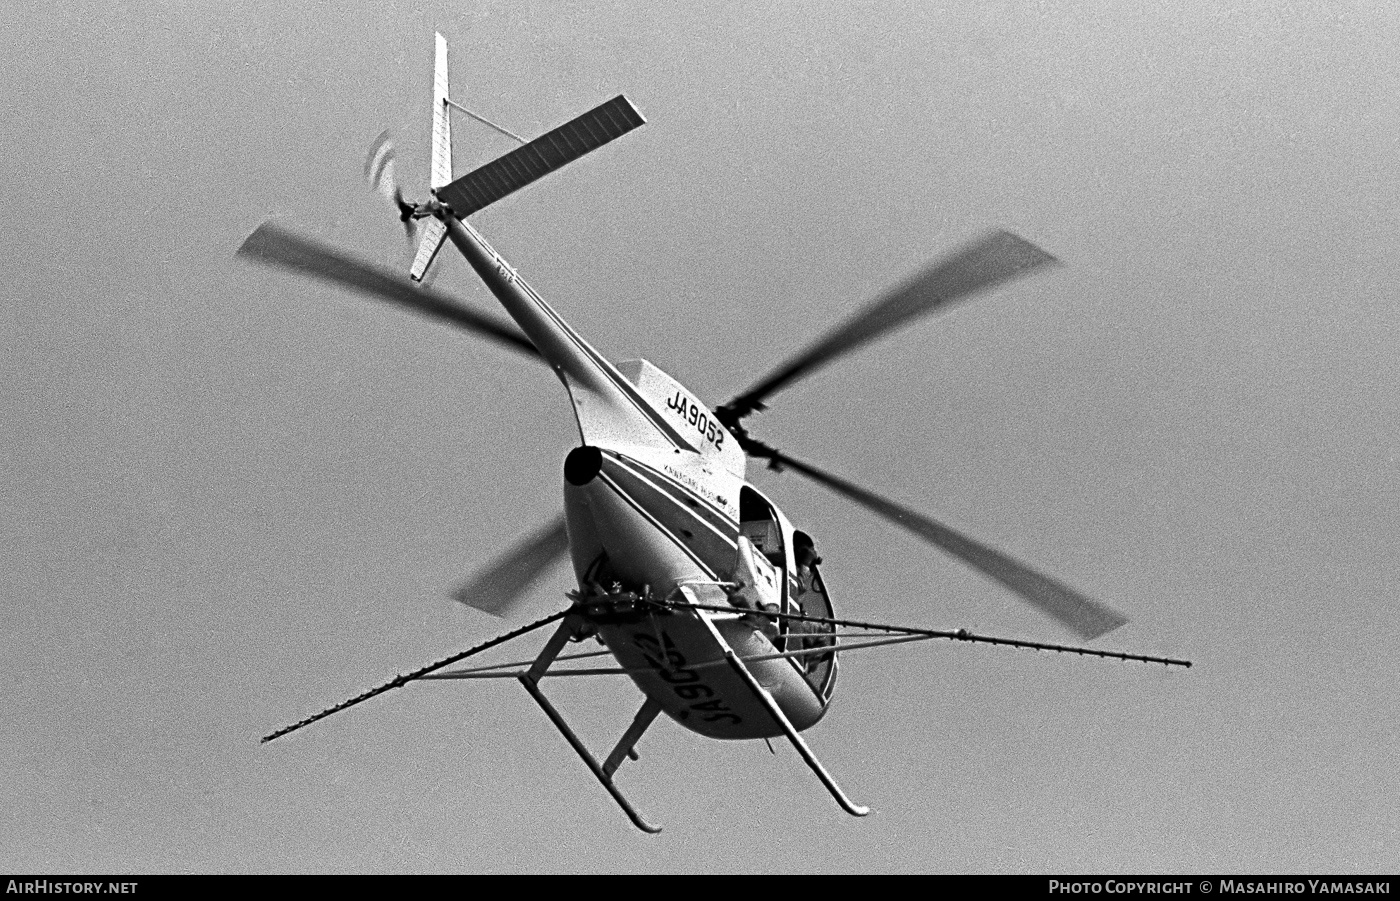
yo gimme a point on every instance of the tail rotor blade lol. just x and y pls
(1085, 617)
(271, 245)
(379, 167)
(502, 586)
(381, 176)
(989, 261)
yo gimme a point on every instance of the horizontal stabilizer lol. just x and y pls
(484, 186)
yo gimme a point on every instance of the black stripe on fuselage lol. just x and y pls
(713, 515)
(708, 540)
(646, 514)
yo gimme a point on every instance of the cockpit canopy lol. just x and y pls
(803, 593)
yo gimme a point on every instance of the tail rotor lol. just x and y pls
(381, 176)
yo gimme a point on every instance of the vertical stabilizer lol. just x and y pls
(442, 124)
(441, 174)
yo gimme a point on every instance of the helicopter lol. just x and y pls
(692, 580)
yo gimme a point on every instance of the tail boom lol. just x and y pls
(611, 411)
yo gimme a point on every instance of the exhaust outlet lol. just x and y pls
(582, 465)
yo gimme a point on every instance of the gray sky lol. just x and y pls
(232, 497)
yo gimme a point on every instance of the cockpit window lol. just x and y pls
(802, 590)
(811, 600)
(766, 538)
(759, 524)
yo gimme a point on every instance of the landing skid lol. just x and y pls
(575, 625)
(785, 724)
(531, 680)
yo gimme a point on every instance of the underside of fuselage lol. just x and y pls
(635, 528)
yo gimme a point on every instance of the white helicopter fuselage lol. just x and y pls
(657, 507)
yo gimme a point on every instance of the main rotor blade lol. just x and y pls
(982, 264)
(1086, 617)
(503, 585)
(272, 245)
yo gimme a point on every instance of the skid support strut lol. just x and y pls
(531, 681)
